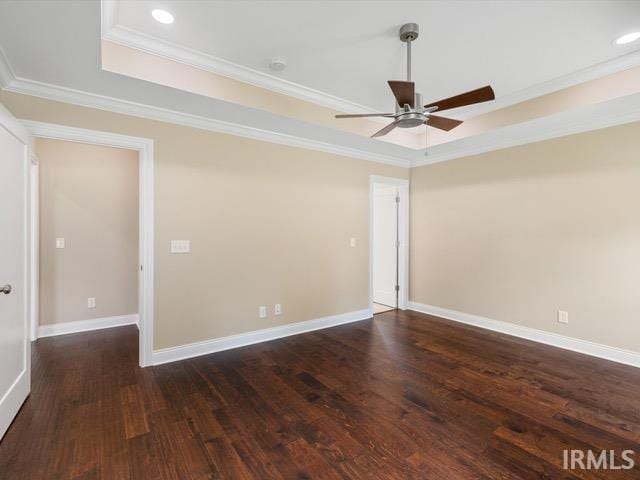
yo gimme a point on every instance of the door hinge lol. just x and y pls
(140, 267)
(397, 288)
(397, 243)
(398, 199)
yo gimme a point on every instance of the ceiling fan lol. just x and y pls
(409, 111)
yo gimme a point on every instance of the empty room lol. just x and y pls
(319, 239)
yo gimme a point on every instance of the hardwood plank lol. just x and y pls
(401, 396)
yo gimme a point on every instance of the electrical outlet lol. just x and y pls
(91, 302)
(59, 242)
(262, 312)
(277, 309)
(352, 241)
(563, 317)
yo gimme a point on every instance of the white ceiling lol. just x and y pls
(53, 48)
(349, 49)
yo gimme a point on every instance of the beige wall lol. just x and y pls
(517, 234)
(89, 197)
(268, 224)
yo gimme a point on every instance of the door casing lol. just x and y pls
(403, 236)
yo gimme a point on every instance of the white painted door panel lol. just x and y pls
(14, 332)
(384, 244)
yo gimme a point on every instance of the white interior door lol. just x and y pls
(385, 236)
(14, 331)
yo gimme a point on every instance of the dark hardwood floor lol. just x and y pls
(399, 397)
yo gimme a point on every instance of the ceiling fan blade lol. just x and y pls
(385, 130)
(478, 95)
(405, 92)
(362, 115)
(443, 123)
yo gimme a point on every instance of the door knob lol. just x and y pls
(6, 289)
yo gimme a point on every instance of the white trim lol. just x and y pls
(13, 399)
(6, 72)
(13, 126)
(144, 147)
(593, 72)
(87, 325)
(614, 354)
(181, 352)
(403, 192)
(101, 102)
(34, 248)
(126, 36)
(140, 41)
(108, 15)
(592, 117)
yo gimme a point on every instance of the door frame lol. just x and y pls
(403, 234)
(144, 147)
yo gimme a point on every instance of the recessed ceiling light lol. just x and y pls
(162, 16)
(628, 38)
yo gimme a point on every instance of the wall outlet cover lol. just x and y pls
(59, 242)
(277, 309)
(91, 302)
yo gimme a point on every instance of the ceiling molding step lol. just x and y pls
(113, 32)
(592, 117)
(6, 72)
(139, 41)
(86, 99)
(593, 72)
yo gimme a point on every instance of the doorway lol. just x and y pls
(142, 281)
(389, 207)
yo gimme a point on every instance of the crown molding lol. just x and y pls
(156, 46)
(113, 32)
(601, 115)
(108, 15)
(599, 70)
(131, 38)
(592, 117)
(6, 72)
(101, 102)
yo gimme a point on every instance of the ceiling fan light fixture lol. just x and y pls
(162, 16)
(628, 38)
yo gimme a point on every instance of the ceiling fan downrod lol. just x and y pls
(408, 33)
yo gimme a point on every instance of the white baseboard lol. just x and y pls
(86, 325)
(181, 352)
(12, 400)
(614, 354)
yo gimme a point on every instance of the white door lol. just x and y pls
(14, 331)
(385, 251)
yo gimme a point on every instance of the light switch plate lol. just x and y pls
(91, 302)
(262, 312)
(180, 246)
(352, 241)
(277, 310)
(59, 242)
